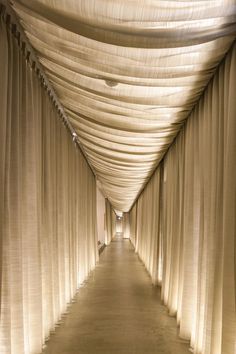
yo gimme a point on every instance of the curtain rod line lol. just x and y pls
(12, 23)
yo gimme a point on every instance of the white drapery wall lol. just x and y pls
(101, 212)
(133, 224)
(144, 218)
(195, 235)
(128, 74)
(110, 223)
(48, 242)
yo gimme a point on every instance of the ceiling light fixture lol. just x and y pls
(111, 83)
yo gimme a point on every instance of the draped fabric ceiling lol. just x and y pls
(128, 73)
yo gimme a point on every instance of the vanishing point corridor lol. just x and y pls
(117, 172)
(117, 311)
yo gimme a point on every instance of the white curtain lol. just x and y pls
(133, 224)
(197, 230)
(48, 241)
(145, 214)
(128, 74)
(110, 223)
(101, 213)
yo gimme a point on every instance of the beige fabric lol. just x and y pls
(101, 213)
(110, 223)
(128, 73)
(145, 223)
(197, 225)
(48, 240)
(133, 224)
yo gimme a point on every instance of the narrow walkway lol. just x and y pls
(118, 311)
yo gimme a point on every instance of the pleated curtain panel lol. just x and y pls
(47, 209)
(128, 74)
(139, 84)
(183, 224)
(110, 230)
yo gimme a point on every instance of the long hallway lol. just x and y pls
(117, 311)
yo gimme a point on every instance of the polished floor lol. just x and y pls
(117, 311)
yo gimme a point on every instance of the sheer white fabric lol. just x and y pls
(101, 212)
(133, 224)
(128, 74)
(110, 223)
(47, 209)
(197, 226)
(145, 223)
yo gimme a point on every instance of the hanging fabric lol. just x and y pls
(128, 74)
(193, 244)
(48, 242)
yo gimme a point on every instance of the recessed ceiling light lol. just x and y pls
(111, 83)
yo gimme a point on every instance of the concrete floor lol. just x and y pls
(117, 311)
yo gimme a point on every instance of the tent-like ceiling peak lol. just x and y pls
(128, 73)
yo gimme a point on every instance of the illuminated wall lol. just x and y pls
(101, 209)
(48, 224)
(183, 224)
(110, 223)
